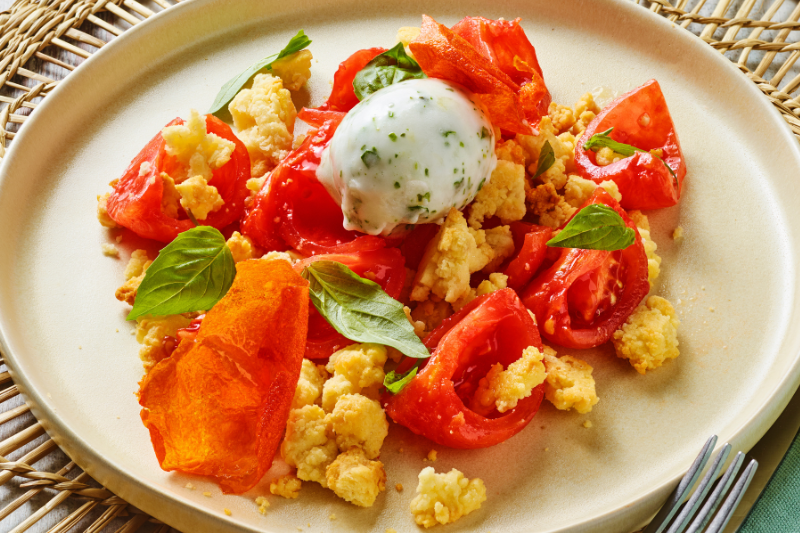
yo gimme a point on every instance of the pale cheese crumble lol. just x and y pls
(199, 197)
(356, 369)
(263, 504)
(287, 486)
(264, 116)
(110, 250)
(649, 336)
(150, 333)
(356, 478)
(199, 152)
(578, 190)
(309, 445)
(294, 70)
(503, 389)
(650, 247)
(242, 247)
(456, 252)
(359, 421)
(309, 386)
(444, 498)
(569, 383)
(134, 274)
(503, 195)
(102, 211)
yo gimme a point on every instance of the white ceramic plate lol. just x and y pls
(732, 279)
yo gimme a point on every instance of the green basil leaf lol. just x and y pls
(602, 140)
(394, 382)
(547, 159)
(359, 309)
(191, 273)
(235, 84)
(595, 227)
(388, 68)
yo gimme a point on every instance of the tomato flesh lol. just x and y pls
(493, 328)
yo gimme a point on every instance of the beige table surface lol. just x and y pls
(768, 452)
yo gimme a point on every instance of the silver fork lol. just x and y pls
(676, 518)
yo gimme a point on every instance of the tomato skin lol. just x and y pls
(343, 97)
(530, 242)
(385, 267)
(549, 297)
(136, 200)
(414, 244)
(294, 210)
(505, 44)
(639, 118)
(493, 328)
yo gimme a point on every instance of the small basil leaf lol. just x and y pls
(235, 84)
(359, 309)
(191, 273)
(547, 159)
(394, 382)
(595, 227)
(602, 140)
(388, 68)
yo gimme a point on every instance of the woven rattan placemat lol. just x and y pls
(41, 42)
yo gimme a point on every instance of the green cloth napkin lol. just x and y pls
(777, 509)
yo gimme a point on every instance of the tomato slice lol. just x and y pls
(586, 295)
(294, 210)
(640, 118)
(530, 241)
(504, 43)
(445, 55)
(414, 244)
(493, 328)
(136, 202)
(386, 267)
(343, 97)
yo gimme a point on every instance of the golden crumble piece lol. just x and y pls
(110, 250)
(359, 421)
(496, 282)
(650, 246)
(578, 190)
(170, 197)
(649, 336)
(102, 211)
(431, 313)
(242, 247)
(569, 383)
(356, 369)
(605, 156)
(563, 146)
(510, 151)
(503, 389)
(406, 34)
(456, 252)
(562, 116)
(199, 197)
(150, 333)
(585, 110)
(553, 211)
(444, 498)
(294, 70)
(263, 504)
(287, 486)
(503, 195)
(309, 445)
(199, 152)
(677, 234)
(432, 456)
(309, 385)
(355, 478)
(134, 274)
(264, 116)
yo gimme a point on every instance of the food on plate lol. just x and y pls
(400, 263)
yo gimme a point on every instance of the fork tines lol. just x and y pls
(676, 516)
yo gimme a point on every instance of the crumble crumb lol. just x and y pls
(188, 485)
(399, 487)
(207, 494)
(677, 234)
(110, 250)
(263, 504)
(432, 455)
(587, 424)
(332, 517)
(227, 511)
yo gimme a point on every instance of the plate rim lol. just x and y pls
(172, 508)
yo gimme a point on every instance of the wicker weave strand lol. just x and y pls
(41, 42)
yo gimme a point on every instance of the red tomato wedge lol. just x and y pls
(640, 118)
(504, 43)
(136, 202)
(530, 241)
(586, 295)
(343, 97)
(492, 328)
(294, 210)
(385, 267)
(218, 405)
(443, 53)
